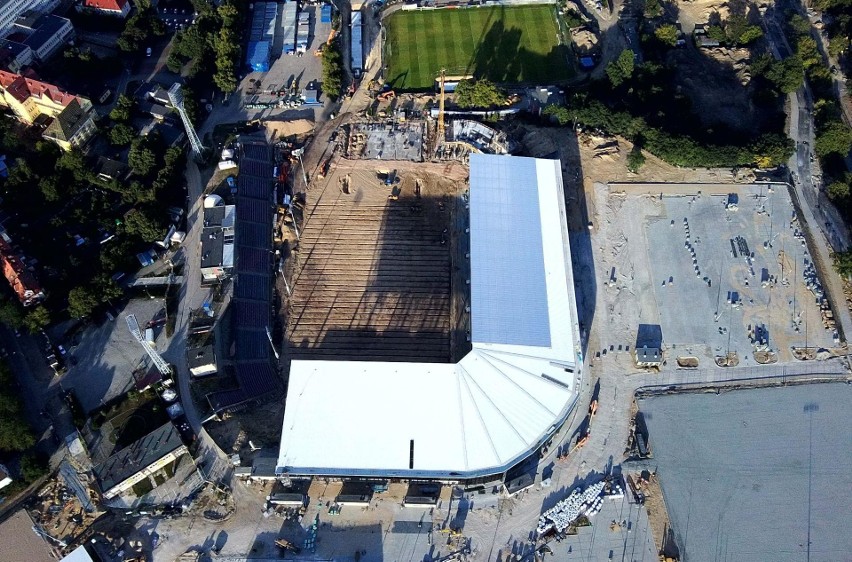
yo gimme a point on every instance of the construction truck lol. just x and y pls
(287, 546)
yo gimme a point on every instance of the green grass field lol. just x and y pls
(505, 45)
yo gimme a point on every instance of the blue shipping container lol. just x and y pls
(257, 56)
(325, 14)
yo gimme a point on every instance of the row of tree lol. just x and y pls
(210, 47)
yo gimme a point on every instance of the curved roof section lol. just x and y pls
(487, 412)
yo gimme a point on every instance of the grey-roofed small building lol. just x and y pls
(108, 169)
(201, 360)
(156, 110)
(649, 357)
(217, 243)
(14, 56)
(139, 460)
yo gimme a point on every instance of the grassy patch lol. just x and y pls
(507, 45)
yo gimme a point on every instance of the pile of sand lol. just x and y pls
(278, 129)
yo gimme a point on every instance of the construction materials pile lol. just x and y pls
(567, 511)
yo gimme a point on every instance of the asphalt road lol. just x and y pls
(823, 222)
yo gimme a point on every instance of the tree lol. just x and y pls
(749, 35)
(33, 467)
(174, 63)
(787, 75)
(332, 71)
(478, 93)
(10, 314)
(621, 69)
(141, 158)
(15, 433)
(807, 50)
(843, 263)
(37, 319)
(838, 190)
(81, 302)
(123, 109)
(652, 9)
(666, 34)
(799, 24)
(835, 138)
(139, 224)
(49, 187)
(635, 159)
(121, 134)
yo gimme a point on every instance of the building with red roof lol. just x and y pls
(22, 281)
(118, 8)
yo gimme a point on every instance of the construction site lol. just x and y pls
(733, 256)
(379, 267)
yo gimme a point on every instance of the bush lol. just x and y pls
(666, 34)
(621, 69)
(835, 138)
(478, 93)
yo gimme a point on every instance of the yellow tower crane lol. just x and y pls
(441, 108)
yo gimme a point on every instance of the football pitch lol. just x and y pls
(506, 45)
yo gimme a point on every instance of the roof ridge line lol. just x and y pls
(464, 377)
(488, 357)
(490, 401)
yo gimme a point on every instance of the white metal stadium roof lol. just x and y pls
(487, 412)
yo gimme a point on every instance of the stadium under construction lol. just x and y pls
(475, 419)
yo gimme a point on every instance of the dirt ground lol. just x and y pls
(373, 270)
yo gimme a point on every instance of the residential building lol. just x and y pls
(29, 98)
(108, 169)
(217, 240)
(5, 479)
(73, 127)
(19, 542)
(22, 281)
(116, 8)
(10, 10)
(140, 460)
(44, 34)
(14, 56)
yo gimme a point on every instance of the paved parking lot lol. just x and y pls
(101, 358)
(287, 68)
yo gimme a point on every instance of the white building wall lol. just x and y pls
(11, 9)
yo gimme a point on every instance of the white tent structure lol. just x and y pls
(482, 415)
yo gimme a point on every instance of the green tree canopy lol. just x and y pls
(140, 224)
(478, 93)
(10, 314)
(123, 109)
(82, 301)
(37, 319)
(121, 134)
(835, 138)
(666, 34)
(141, 157)
(621, 69)
(332, 71)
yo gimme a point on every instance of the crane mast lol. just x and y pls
(159, 362)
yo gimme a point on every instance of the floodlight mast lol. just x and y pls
(176, 99)
(159, 362)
